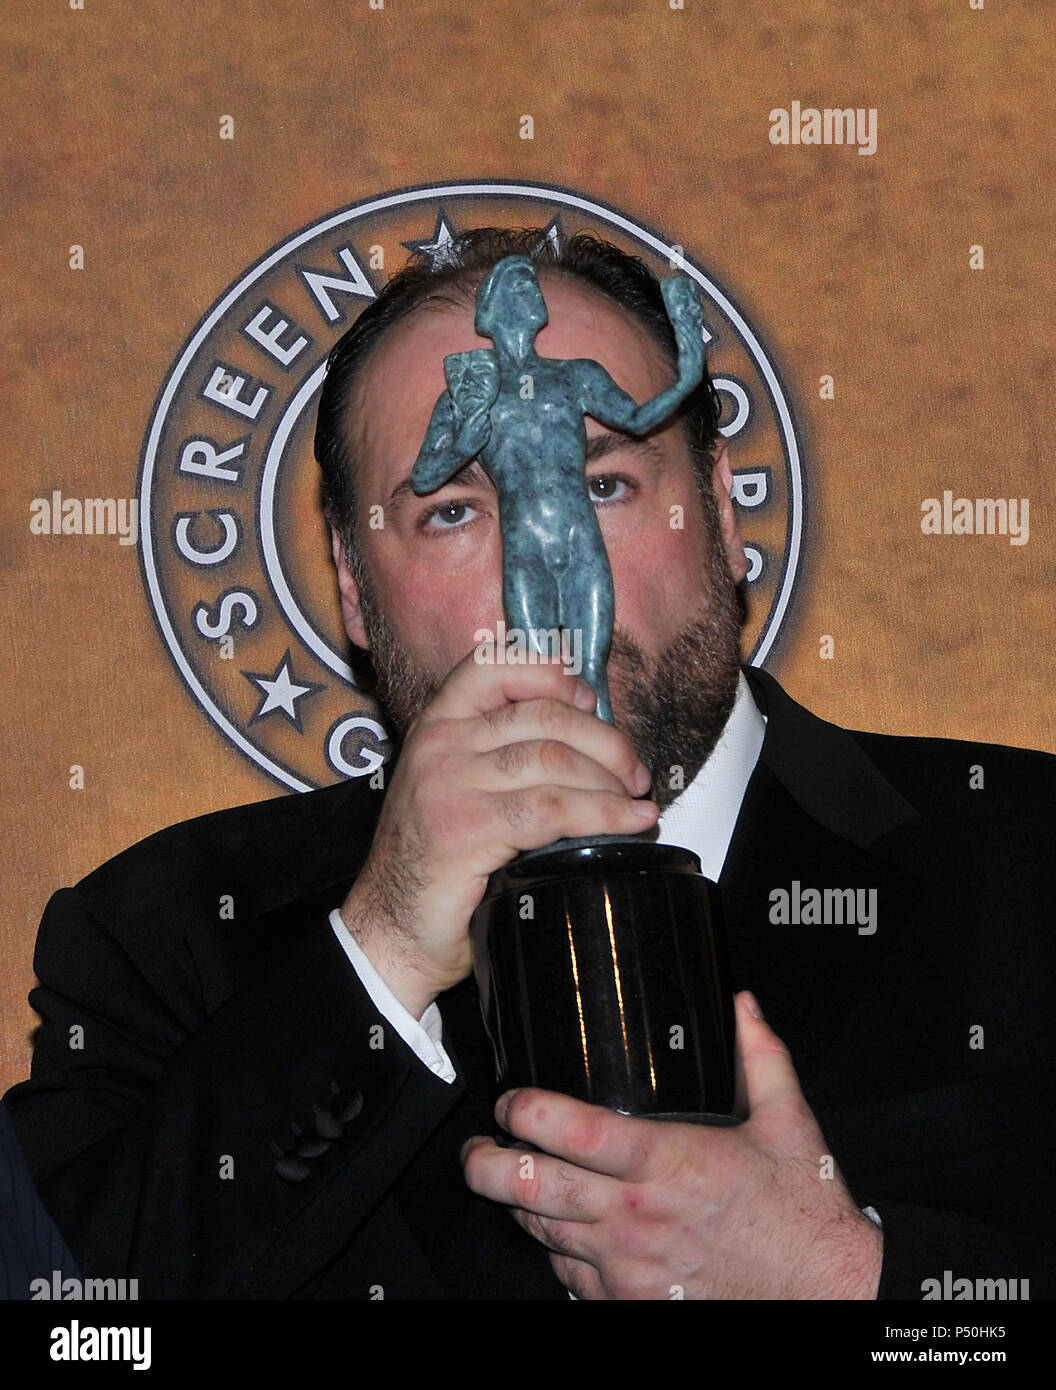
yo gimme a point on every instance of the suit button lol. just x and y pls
(325, 1123)
(311, 1146)
(348, 1107)
(291, 1168)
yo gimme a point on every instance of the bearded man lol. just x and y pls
(297, 1103)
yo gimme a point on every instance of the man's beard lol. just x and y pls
(673, 710)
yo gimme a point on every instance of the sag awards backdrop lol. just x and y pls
(199, 201)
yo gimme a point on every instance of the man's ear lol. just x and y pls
(729, 527)
(351, 609)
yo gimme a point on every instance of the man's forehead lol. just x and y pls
(401, 381)
(575, 309)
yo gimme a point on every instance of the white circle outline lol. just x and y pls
(268, 544)
(744, 410)
(356, 213)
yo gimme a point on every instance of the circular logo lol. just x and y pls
(236, 555)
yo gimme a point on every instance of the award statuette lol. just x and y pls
(600, 962)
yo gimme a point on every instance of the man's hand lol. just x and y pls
(505, 758)
(636, 1208)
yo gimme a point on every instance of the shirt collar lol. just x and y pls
(703, 816)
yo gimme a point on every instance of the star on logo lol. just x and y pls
(281, 692)
(439, 247)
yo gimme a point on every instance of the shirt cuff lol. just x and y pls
(424, 1036)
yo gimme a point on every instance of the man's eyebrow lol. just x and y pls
(471, 475)
(604, 444)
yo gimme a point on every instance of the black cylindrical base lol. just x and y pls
(602, 973)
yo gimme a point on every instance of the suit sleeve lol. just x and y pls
(423, 1036)
(30, 1246)
(963, 1181)
(225, 1155)
(921, 1245)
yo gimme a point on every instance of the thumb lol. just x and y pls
(770, 1078)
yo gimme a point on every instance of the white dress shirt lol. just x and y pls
(701, 819)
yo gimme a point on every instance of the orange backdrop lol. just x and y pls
(848, 265)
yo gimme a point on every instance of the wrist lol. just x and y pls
(866, 1262)
(380, 942)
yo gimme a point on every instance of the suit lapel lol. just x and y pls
(815, 816)
(328, 845)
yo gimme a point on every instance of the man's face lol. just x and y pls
(432, 574)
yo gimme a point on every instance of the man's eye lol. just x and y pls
(607, 487)
(447, 516)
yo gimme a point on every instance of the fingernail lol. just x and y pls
(502, 1106)
(753, 1006)
(642, 779)
(584, 696)
(645, 809)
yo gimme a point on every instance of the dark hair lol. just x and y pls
(454, 278)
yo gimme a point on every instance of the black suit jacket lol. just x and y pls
(30, 1246)
(231, 1127)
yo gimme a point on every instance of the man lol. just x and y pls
(296, 1104)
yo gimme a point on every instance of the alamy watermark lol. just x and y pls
(979, 516)
(91, 516)
(824, 907)
(950, 1289)
(516, 646)
(80, 1343)
(71, 1288)
(806, 125)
